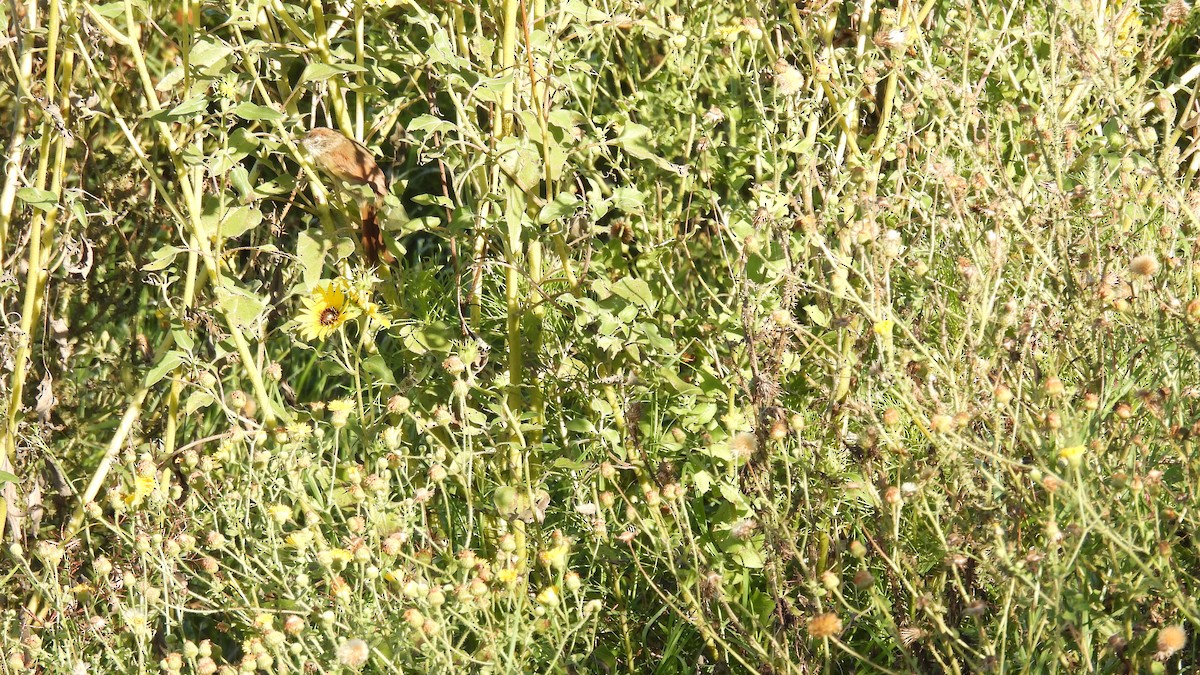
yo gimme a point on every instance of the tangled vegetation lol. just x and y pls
(816, 336)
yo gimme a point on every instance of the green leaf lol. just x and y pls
(581, 425)
(748, 554)
(316, 72)
(44, 200)
(240, 178)
(732, 495)
(169, 362)
(192, 106)
(436, 336)
(628, 199)
(678, 384)
(239, 220)
(434, 200)
(442, 51)
(491, 89)
(429, 124)
(635, 291)
(564, 204)
(162, 258)
(241, 306)
(376, 366)
(817, 316)
(250, 111)
(311, 250)
(242, 143)
(6, 477)
(198, 400)
(703, 481)
(206, 53)
(635, 140)
(521, 160)
(110, 10)
(568, 464)
(183, 338)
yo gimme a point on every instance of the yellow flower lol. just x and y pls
(325, 311)
(507, 576)
(548, 597)
(280, 513)
(556, 557)
(300, 538)
(884, 328)
(339, 411)
(376, 315)
(1071, 455)
(341, 556)
(143, 485)
(1129, 24)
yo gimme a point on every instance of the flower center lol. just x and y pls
(329, 316)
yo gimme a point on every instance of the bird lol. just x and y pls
(347, 160)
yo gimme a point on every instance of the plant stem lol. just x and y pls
(41, 234)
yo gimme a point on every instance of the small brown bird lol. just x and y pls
(347, 160)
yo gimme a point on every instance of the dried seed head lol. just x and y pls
(1176, 12)
(1144, 265)
(743, 445)
(788, 80)
(353, 653)
(895, 39)
(824, 625)
(1170, 640)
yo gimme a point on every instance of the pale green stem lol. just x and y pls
(12, 165)
(40, 238)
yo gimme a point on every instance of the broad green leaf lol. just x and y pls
(242, 143)
(436, 337)
(564, 204)
(198, 400)
(111, 10)
(566, 463)
(169, 362)
(677, 383)
(818, 317)
(635, 140)
(239, 220)
(316, 72)
(250, 111)
(703, 481)
(376, 366)
(441, 51)
(748, 554)
(192, 106)
(521, 160)
(241, 306)
(635, 291)
(207, 52)
(162, 258)
(183, 338)
(584, 12)
(38, 199)
(434, 200)
(628, 199)
(732, 495)
(429, 124)
(311, 251)
(491, 89)
(239, 177)
(6, 477)
(581, 425)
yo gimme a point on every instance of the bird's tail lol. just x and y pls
(372, 236)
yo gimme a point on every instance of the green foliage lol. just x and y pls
(817, 337)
